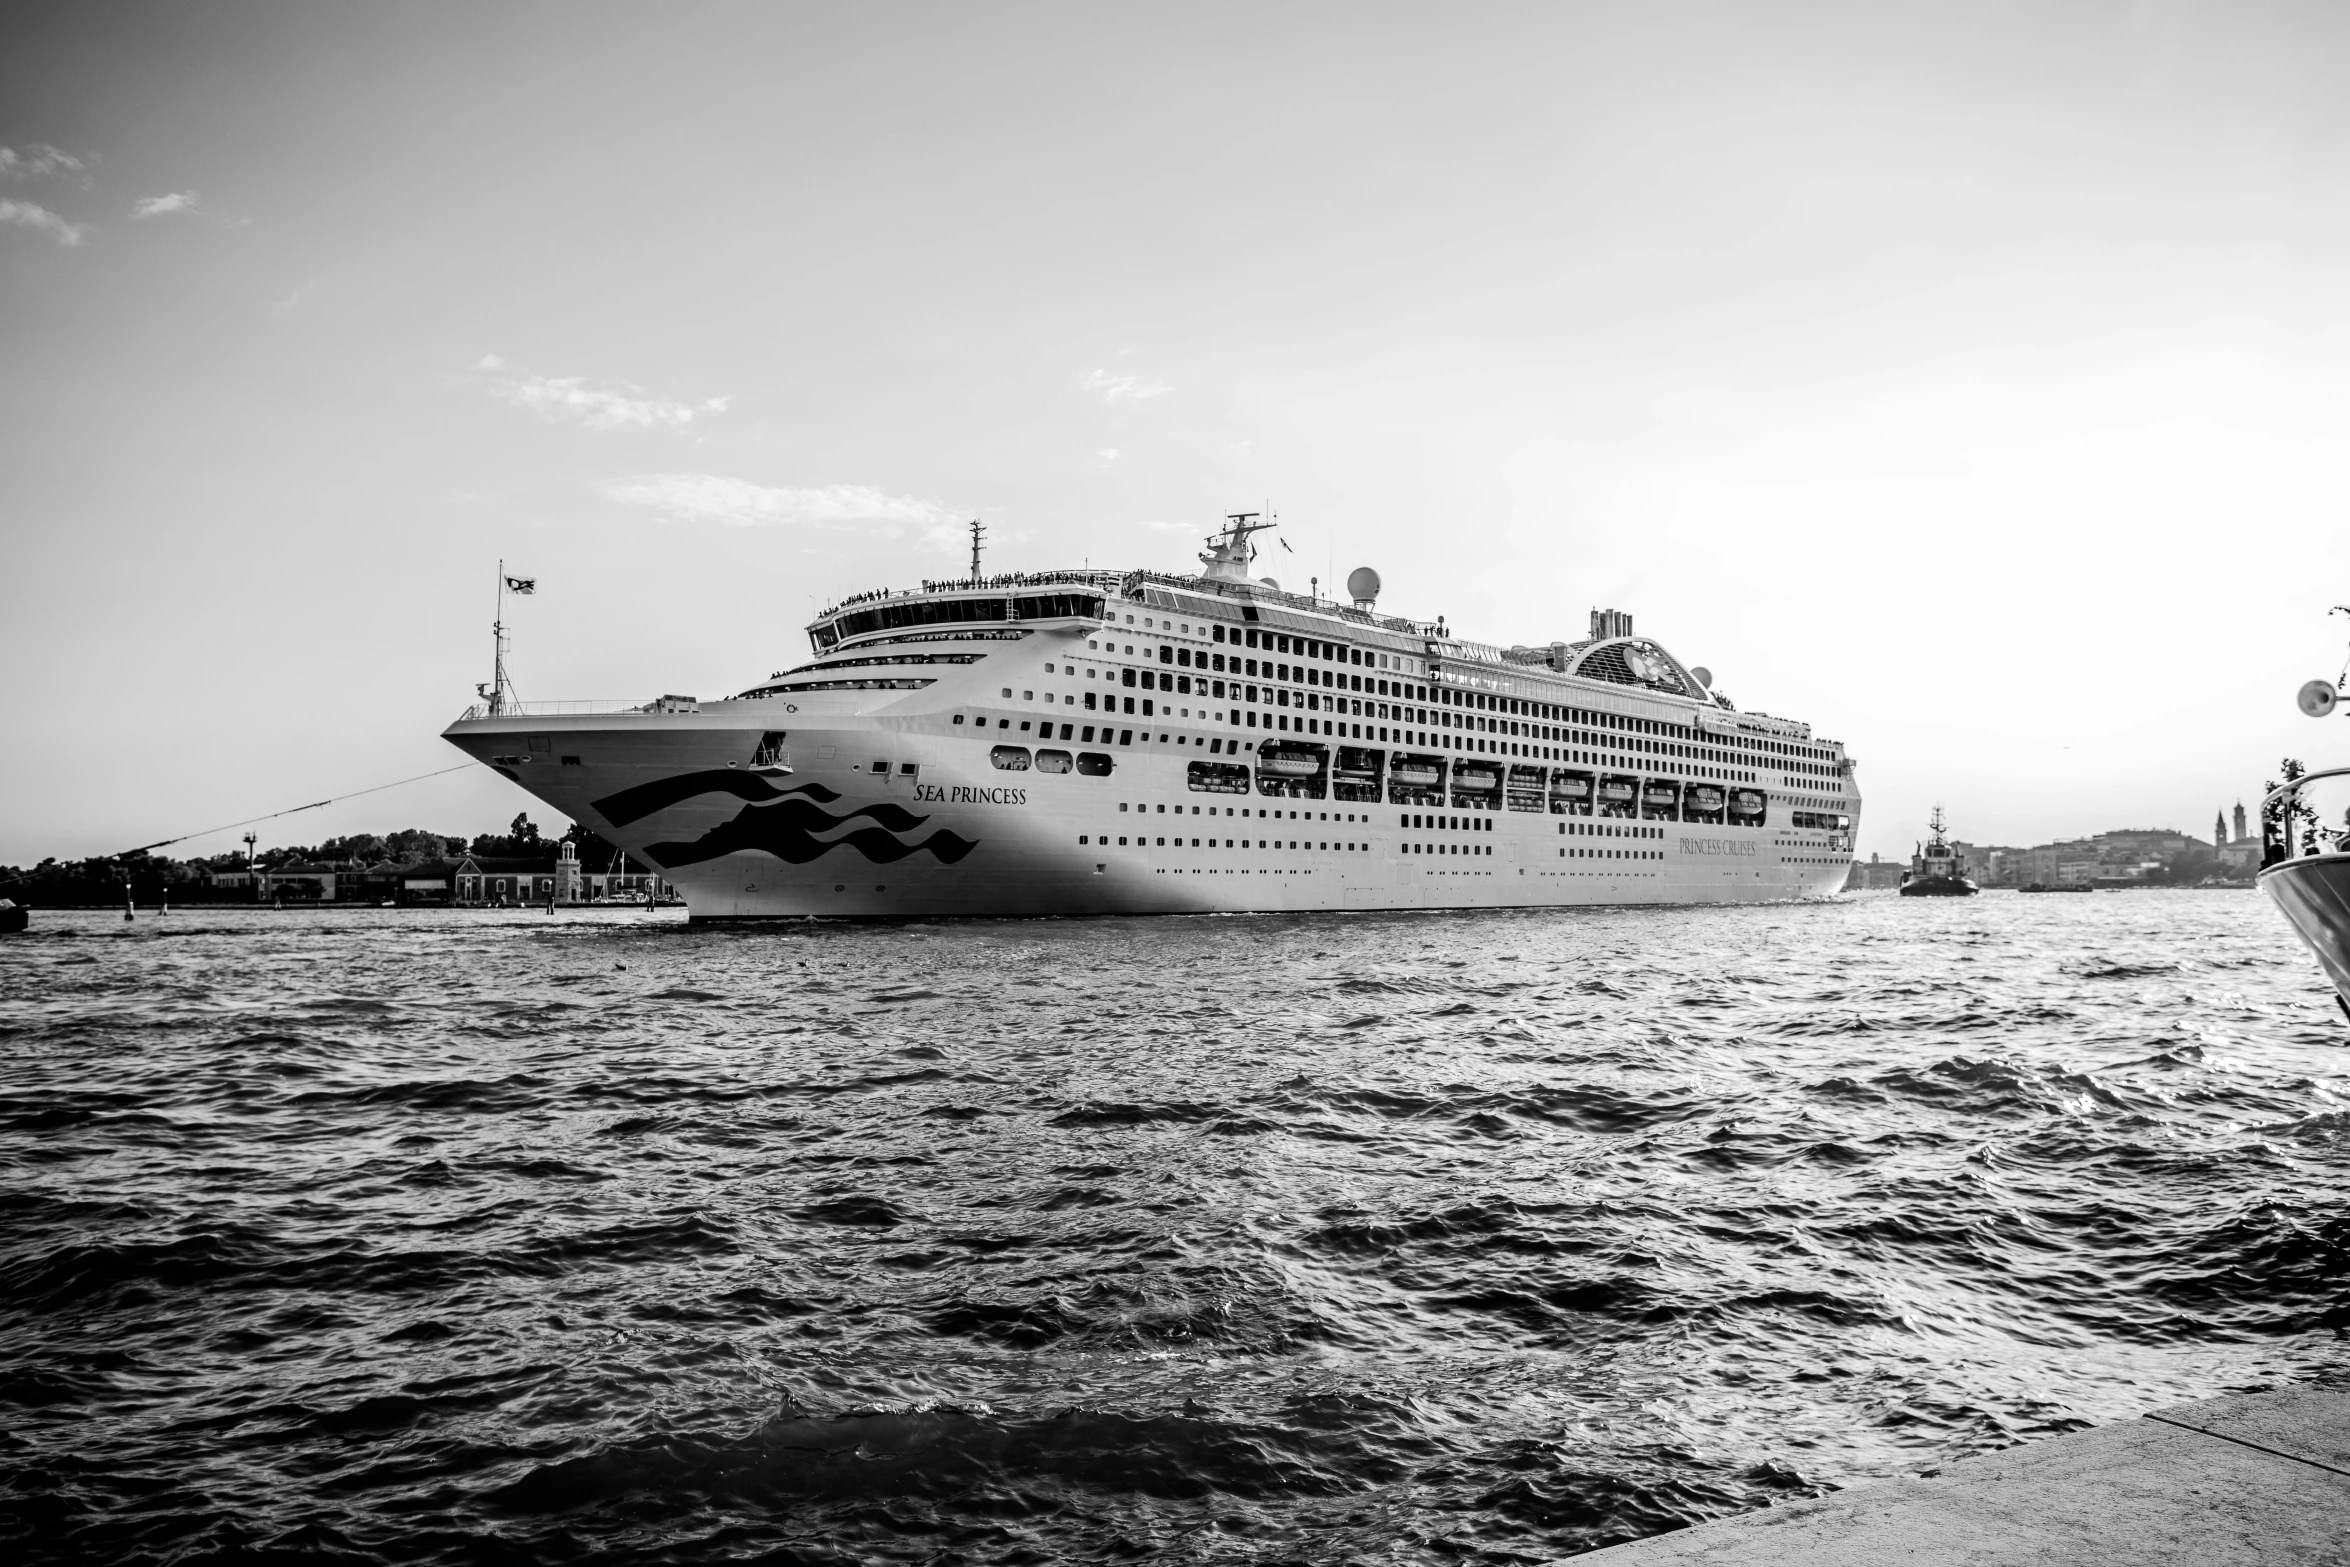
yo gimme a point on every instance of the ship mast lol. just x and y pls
(495, 692)
(1228, 554)
(977, 532)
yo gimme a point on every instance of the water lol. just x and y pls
(1480, 1238)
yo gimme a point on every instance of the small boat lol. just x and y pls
(14, 917)
(1936, 870)
(2311, 887)
(1476, 777)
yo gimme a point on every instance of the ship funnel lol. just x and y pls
(1610, 623)
(1362, 585)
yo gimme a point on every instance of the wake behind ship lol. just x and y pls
(1088, 742)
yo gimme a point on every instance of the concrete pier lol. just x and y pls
(2262, 1478)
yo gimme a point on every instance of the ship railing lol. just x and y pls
(2282, 809)
(1258, 593)
(1131, 583)
(587, 707)
(1005, 582)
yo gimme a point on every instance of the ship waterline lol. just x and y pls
(1098, 743)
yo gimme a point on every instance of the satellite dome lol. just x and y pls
(1705, 676)
(1270, 583)
(1362, 585)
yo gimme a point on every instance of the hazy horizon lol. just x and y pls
(1965, 383)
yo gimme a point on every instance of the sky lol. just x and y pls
(1966, 381)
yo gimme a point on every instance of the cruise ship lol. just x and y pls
(1096, 742)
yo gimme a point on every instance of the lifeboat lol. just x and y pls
(1618, 791)
(1570, 786)
(1703, 797)
(1417, 772)
(1289, 762)
(1477, 777)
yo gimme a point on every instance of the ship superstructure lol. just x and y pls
(1091, 742)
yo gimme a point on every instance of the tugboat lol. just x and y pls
(1936, 871)
(2312, 885)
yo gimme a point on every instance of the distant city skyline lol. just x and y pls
(1963, 383)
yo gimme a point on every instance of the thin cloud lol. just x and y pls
(38, 161)
(738, 503)
(172, 205)
(31, 215)
(614, 406)
(1124, 388)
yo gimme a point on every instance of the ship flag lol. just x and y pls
(522, 584)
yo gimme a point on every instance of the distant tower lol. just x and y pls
(2219, 829)
(2239, 821)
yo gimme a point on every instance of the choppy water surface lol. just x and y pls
(1480, 1238)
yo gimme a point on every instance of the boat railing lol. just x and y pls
(481, 710)
(1129, 585)
(1258, 593)
(2283, 806)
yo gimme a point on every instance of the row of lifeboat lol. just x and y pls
(1303, 769)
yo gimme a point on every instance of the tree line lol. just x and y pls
(99, 882)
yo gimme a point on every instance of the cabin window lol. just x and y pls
(1052, 761)
(1094, 764)
(1010, 758)
(958, 718)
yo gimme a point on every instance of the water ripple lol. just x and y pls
(1490, 1238)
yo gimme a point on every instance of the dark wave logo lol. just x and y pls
(781, 822)
(635, 804)
(788, 831)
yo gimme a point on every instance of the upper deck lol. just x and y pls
(1191, 620)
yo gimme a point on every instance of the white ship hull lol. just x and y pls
(918, 780)
(1025, 858)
